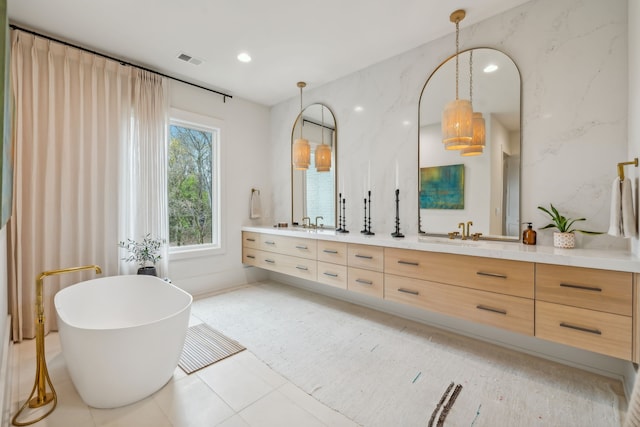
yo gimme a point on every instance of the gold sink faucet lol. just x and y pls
(462, 234)
(308, 223)
(318, 217)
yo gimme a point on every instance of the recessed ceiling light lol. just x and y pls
(406, 122)
(244, 57)
(490, 68)
(358, 109)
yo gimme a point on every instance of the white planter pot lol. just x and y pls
(564, 240)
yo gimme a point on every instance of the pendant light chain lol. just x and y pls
(471, 77)
(300, 85)
(457, 50)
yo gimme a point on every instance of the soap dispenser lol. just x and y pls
(529, 235)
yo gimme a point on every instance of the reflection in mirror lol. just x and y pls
(313, 193)
(484, 189)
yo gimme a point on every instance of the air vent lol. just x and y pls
(190, 59)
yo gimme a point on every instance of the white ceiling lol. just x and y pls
(289, 40)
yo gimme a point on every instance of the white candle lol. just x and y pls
(397, 176)
(369, 176)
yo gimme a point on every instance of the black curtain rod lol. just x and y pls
(224, 95)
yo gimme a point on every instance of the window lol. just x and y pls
(193, 182)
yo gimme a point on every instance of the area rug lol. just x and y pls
(204, 346)
(382, 370)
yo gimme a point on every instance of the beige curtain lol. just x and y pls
(144, 162)
(74, 116)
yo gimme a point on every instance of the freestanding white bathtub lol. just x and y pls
(121, 336)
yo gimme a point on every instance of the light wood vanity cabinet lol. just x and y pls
(332, 263)
(365, 272)
(485, 290)
(282, 254)
(592, 309)
(586, 308)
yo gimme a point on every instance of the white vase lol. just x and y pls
(564, 240)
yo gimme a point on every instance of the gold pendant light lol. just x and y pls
(478, 141)
(457, 122)
(323, 152)
(301, 150)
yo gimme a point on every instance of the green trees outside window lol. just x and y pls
(190, 185)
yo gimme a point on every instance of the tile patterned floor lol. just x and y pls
(239, 391)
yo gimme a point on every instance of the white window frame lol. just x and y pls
(218, 246)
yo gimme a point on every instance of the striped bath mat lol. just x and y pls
(204, 346)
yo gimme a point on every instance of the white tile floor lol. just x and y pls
(239, 391)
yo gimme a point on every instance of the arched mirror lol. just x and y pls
(485, 188)
(313, 192)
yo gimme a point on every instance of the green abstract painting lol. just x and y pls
(442, 187)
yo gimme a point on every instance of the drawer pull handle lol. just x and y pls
(301, 247)
(251, 256)
(484, 273)
(326, 273)
(408, 263)
(585, 288)
(270, 261)
(364, 282)
(491, 309)
(408, 291)
(249, 239)
(329, 251)
(364, 256)
(301, 267)
(269, 242)
(581, 328)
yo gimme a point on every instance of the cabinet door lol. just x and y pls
(251, 239)
(294, 246)
(488, 274)
(333, 252)
(604, 333)
(601, 290)
(332, 274)
(365, 281)
(502, 311)
(365, 256)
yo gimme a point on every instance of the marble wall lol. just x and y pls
(573, 59)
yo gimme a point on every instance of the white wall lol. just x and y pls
(244, 148)
(573, 59)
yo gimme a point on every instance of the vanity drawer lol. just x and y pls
(604, 333)
(334, 252)
(250, 256)
(365, 256)
(286, 264)
(365, 281)
(251, 239)
(295, 246)
(332, 274)
(602, 290)
(501, 311)
(488, 274)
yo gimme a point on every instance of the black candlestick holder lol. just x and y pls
(343, 218)
(368, 228)
(365, 230)
(339, 229)
(397, 233)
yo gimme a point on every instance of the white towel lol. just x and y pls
(623, 219)
(255, 209)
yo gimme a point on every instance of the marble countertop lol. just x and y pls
(608, 259)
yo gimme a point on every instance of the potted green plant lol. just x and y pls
(145, 253)
(564, 237)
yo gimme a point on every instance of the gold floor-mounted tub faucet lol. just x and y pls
(39, 395)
